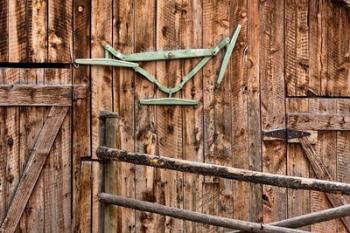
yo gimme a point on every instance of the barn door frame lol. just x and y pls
(60, 98)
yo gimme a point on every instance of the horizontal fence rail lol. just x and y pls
(312, 218)
(191, 215)
(293, 182)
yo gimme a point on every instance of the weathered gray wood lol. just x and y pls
(40, 95)
(190, 215)
(312, 121)
(33, 169)
(224, 172)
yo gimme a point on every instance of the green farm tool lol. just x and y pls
(117, 59)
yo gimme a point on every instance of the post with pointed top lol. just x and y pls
(109, 126)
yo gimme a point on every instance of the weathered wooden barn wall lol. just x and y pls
(291, 57)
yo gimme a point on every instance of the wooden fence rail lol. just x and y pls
(312, 218)
(293, 182)
(191, 215)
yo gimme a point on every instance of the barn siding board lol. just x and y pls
(101, 94)
(4, 31)
(285, 48)
(60, 39)
(123, 103)
(145, 116)
(217, 117)
(273, 104)
(297, 165)
(191, 37)
(81, 172)
(169, 184)
(31, 121)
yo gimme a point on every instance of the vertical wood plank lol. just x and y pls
(84, 223)
(101, 94)
(10, 146)
(191, 37)
(17, 31)
(11, 141)
(31, 121)
(2, 157)
(297, 165)
(36, 26)
(239, 111)
(338, 44)
(4, 39)
(60, 37)
(317, 47)
(343, 152)
(123, 102)
(169, 186)
(273, 104)
(57, 170)
(145, 116)
(253, 109)
(297, 47)
(326, 147)
(81, 119)
(218, 199)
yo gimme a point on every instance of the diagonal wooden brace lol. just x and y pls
(322, 172)
(41, 150)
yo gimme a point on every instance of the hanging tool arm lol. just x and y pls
(228, 55)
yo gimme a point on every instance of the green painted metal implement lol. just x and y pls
(130, 61)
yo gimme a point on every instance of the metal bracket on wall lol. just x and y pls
(130, 61)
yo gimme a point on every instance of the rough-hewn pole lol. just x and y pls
(312, 218)
(191, 215)
(224, 172)
(109, 123)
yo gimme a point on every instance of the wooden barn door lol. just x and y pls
(35, 161)
(304, 80)
(36, 109)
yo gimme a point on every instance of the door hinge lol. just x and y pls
(285, 134)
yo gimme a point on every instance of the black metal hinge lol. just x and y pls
(285, 133)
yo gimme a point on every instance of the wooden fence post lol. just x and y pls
(110, 137)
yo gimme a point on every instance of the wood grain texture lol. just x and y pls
(123, 104)
(145, 116)
(57, 171)
(81, 145)
(343, 156)
(217, 194)
(169, 185)
(31, 121)
(273, 104)
(326, 148)
(4, 10)
(101, 94)
(10, 144)
(112, 138)
(192, 216)
(191, 37)
(322, 172)
(324, 121)
(17, 32)
(37, 30)
(60, 37)
(35, 164)
(39, 95)
(296, 47)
